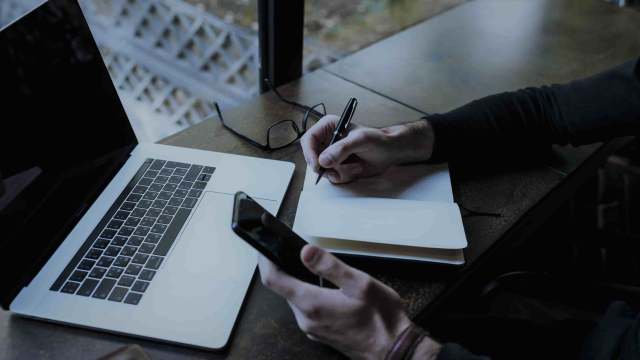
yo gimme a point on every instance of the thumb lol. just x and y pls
(337, 153)
(327, 266)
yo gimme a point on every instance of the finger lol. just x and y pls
(316, 138)
(335, 154)
(300, 293)
(345, 173)
(327, 266)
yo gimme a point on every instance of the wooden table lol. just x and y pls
(476, 49)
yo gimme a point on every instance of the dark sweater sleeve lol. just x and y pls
(593, 109)
(456, 352)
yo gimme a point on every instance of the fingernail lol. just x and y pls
(325, 160)
(332, 177)
(311, 254)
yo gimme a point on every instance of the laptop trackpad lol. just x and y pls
(207, 273)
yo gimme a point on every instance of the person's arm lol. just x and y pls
(594, 109)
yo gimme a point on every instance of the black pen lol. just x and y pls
(342, 128)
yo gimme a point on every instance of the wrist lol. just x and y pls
(427, 349)
(411, 142)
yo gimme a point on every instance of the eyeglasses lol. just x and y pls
(284, 132)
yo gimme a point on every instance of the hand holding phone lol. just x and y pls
(271, 237)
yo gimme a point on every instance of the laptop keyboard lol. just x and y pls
(127, 248)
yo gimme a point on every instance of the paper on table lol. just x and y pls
(413, 182)
(379, 220)
(406, 209)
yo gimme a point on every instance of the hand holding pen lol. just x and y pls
(342, 129)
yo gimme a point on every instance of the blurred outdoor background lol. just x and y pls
(172, 59)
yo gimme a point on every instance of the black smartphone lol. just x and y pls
(270, 236)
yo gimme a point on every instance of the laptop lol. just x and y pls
(97, 230)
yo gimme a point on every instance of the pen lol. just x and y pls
(342, 128)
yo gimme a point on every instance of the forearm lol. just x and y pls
(589, 110)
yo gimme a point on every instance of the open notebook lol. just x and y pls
(406, 213)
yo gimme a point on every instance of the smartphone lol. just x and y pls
(270, 236)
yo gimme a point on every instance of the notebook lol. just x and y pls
(406, 213)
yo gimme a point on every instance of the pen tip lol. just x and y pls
(318, 180)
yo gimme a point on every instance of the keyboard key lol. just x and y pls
(194, 171)
(121, 215)
(142, 231)
(87, 287)
(154, 262)
(146, 248)
(137, 212)
(199, 185)
(156, 187)
(133, 269)
(135, 240)
(108, 233)
(165, 219)
(150, 195)
(180, 172)
(115, 272)
(118, 294)
(195, 193)
(134, 197)
(162, 179)
(101, 243)
(93, 254)
(104, 288)
(166, 172)
(139, 189)
(180, 193)
(148, 221)
(147, 275)
(159, 204)
(145, 181)
(145, 204)
(140, 286)
(112, 251)
(128, 206)
(122, 261)
(159, 228)
(189, 202)
(185, 185)
(157, 164)
(151, 173)
(209, 170)
(97, 272)
(119, 240)
(164, 195)
(133, 298)
(170, 210)
(154, 213)
(170, 188)
(204, 177)
(175, 201)
(115, 224)
(126, 280)
(86, 264)
(128, 251)
(105, 261)
(126, 231)
(181, 165)
(153, 238)
(78, 275)
(140, 259)
(70, 287)
(132, 221)
(175, 179)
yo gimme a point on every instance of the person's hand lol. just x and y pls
(365, 151)
(361, 319)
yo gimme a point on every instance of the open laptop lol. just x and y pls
(99, 231)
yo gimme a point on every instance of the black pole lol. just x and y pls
(281, 40)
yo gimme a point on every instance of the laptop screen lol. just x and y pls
(63, 135)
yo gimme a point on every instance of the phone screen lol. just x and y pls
(270, 236)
